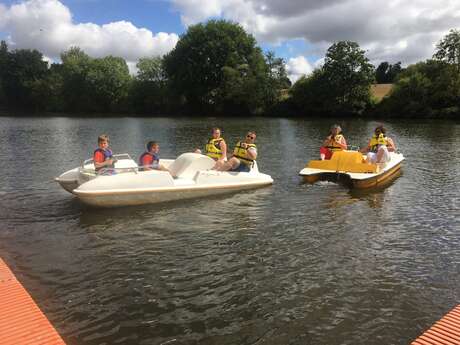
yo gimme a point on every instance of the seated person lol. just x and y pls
(335, 141)
(379, 147)
(216, 148)
(104, 163)
(150, 159)
(244, 155)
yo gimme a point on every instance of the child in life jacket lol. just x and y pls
(150, 159)
(216, 148)
(104, 163)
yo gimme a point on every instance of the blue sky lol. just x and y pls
(299, 31)
(156, 15)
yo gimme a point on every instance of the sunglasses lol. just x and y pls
(250, 137)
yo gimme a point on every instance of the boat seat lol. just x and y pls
(347, 161)
(188, 164)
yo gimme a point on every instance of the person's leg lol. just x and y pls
(232, 163)
(218, 165)
(371, 157)
(383, 155)
(325, 153)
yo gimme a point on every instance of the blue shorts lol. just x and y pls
(242, 168)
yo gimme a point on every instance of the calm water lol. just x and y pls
(288, 264)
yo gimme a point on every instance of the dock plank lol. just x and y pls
(444, 332)
(21, 320)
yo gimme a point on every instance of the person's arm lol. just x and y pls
(99, 162)
(391, 145)
(252, 153)
(366, 149)
(223, 147)
(327, 141)
(343, 143)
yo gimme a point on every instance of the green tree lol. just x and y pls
(151, 69)
(150, 89)
(24, 68)
(277, 77)
(386, 73)
(244, 88)
(3, 66)
(340, 87)
(108, 80)
(75, 91)
(430, 88)
(448, 49)
(90, 84)
(208, 55)
(349, 75)
(311, 94)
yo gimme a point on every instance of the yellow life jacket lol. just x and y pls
(213, 149)
(335, 146)
(376, 141)
(242, 153)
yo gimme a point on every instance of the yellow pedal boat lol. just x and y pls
(351, 168)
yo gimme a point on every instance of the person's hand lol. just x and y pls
(244, 145)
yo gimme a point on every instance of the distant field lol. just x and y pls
(380, 90)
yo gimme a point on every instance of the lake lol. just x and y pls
(288, 264)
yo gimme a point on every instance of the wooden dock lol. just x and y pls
(21, 320)
(444, 332)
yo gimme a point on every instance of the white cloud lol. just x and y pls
(46, 25)
(194, 11)
(297, 67)
(397, 30)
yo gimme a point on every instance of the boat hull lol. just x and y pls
(378, 181)
(134, 198)
(357, 180)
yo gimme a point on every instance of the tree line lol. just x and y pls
(217, 68)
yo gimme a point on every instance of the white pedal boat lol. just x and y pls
(129, 186)
(350, 168)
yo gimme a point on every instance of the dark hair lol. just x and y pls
(102, 137)
(150, 144)
(215, 129)
(253, 132)
(380, 129)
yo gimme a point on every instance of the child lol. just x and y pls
(216, 148)
(150, 159)
(104, 163)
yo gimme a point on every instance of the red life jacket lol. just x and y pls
(149, 159)
(107, 155)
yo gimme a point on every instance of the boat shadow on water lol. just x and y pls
(91, 215)
(374, 196)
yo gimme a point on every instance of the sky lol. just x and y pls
(299, 31)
